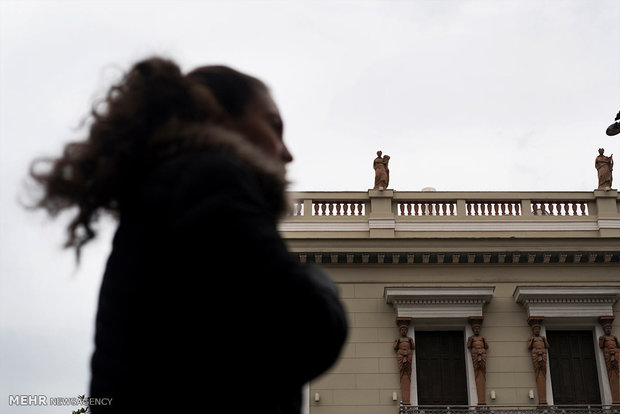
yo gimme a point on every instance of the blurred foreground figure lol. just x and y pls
(201, 305)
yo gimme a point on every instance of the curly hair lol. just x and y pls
(135, 126)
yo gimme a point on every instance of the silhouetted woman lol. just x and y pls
(201, 305)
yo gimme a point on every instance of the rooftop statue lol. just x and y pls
(382, 172)
(605, 166)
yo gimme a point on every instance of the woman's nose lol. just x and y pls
(285, 155)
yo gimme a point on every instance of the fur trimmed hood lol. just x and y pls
(271, 172)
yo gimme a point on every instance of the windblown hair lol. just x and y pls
(139, 123)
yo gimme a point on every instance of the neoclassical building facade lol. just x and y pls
(506, 296)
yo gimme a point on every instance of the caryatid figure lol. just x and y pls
(382, 172)
(611, 352)
(404, 346)
(477, 345)
(538, 346)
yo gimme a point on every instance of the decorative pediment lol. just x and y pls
(567, 301)
(438, 302)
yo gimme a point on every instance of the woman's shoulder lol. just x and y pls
(188, 176)
(198, 167)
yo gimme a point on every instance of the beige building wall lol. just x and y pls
(370, 241)
(366, 374)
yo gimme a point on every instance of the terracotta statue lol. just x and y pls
(610, 346)
(478, 346)
(404, 347)
(605, 166)
(382, 172)
(538, 346)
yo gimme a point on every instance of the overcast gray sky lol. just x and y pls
(463, 95)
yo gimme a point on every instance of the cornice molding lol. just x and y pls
(438, 302)
(460, 258)
(444, 227)
(567, 301)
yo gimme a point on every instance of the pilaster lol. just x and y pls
(381, 222)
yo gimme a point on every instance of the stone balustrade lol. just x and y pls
(389, 213)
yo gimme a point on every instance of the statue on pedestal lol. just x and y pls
(382, 172)
(538, 346)
(404, 347)
(610, 346)
(604, 166)
(478, 346)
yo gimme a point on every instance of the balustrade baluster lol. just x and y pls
(469, 209)
(323, 208)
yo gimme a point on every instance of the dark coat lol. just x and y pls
(202, 308)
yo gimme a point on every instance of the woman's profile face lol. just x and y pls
(262, 125)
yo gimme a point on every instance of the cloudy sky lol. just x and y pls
(463, 95)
